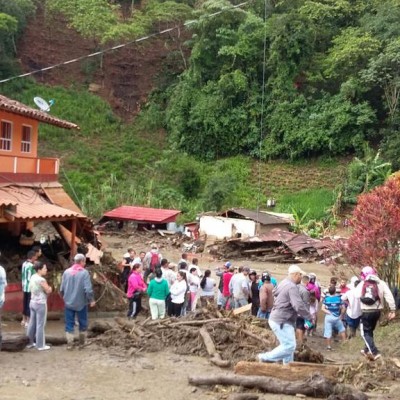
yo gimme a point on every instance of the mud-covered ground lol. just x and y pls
(110, 373)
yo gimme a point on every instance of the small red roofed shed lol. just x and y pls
(141, 215)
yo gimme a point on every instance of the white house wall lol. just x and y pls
(221, 227)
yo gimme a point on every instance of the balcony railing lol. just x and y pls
(28, 165)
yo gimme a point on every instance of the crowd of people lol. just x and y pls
(291, 307)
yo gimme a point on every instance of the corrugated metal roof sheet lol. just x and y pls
(58, 196)
(261, 217)
(16, 107)
(6, 203)
(143, 214)
(29, 205)
(295, 242)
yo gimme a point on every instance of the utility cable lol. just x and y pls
(119, 46)
(262, 111)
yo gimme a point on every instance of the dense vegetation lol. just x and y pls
(269, 80)
(331, 80)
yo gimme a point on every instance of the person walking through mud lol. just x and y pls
(287, 306)
(39, 289)
(372, 292)
(77, 291)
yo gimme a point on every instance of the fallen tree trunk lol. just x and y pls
(316, 386)
(14, 342)
(286, 372)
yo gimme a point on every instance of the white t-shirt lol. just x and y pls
(38, 295)
(194, 283)
(208, 289)
(238, 285)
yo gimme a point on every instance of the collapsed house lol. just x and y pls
(275, 246)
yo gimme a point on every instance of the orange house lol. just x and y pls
(19, 129)
(29, 187)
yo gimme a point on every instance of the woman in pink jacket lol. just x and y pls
(136, 287)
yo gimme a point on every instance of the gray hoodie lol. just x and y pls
(288, 304)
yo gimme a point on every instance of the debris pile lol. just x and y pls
(275, 246)
(223, 337)
(371, 376)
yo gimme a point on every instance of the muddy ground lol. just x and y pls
(107, 373)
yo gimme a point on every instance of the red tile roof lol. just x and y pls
(143, 214)
(15, 107)
(29, 205)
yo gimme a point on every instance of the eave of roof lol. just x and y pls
(15, 107)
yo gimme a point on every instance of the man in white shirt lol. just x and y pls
(353, 309)
(167, 273)
(239, 287)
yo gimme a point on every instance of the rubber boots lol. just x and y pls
(82, 340)
(70, 340)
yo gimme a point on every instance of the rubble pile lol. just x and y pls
(234, 337)
(275, 246)
(371, 376)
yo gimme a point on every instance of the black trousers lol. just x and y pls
(367, 327)
(135, 305)
(175, 309)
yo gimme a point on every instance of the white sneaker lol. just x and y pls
(30, 345)
(44, 348)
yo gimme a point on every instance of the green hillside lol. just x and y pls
(269, 99)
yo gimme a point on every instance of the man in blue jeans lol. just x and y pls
(287, 306)
(77, 292)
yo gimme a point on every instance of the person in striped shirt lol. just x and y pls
(26, 273)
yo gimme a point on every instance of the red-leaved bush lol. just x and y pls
(376, 231)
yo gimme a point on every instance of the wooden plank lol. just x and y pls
(286, 372)
(242, 309)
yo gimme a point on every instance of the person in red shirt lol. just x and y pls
(226, 294)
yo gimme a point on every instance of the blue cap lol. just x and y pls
(227, 264)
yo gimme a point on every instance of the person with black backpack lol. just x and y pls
(372, 292)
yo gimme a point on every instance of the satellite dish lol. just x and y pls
(43, 104)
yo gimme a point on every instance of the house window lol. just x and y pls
(6, 136)
(26, 139)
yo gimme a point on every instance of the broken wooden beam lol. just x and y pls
(211, 349)
(286, 372)
(242, 309)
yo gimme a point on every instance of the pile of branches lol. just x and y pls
(371, 376)
(220, 335)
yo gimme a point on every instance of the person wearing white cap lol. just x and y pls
(371, 292)
(287, 306)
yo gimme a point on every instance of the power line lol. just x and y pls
(119, 46)
(262, 112)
